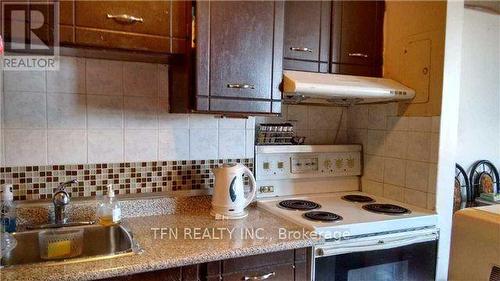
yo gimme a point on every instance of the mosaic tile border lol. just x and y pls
(40, 182)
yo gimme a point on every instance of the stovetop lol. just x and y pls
(353, 219)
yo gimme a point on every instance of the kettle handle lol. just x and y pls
(253, 185)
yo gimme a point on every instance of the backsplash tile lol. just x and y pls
(141, 145)
(118, 109)
(32, 81)
(105, 146)
(400, 156)
(40, 182)
(319, 124)
(104, 77)
(141, 113)
(104, 112)
(69, 79)
(23, 144)
(67, 146)
(174, 144)
(140, 79)
(23, 110)
(66, 111)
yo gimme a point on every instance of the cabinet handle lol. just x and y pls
(358, 55)
(260, 277)
(125, 19)
(241, 86)
(296, 49)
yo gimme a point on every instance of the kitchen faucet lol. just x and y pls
(60, 200)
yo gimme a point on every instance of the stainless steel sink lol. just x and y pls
(99, 242)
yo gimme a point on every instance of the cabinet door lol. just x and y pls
(305, 21)
(307, 34)
(239, 55)
(153, 26)
(357, 35)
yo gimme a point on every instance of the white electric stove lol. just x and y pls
(334, 215)
(367, 237)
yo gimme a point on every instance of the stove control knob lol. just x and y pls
(328, 164)
(320, 252)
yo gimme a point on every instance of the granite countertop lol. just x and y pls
(184, 249)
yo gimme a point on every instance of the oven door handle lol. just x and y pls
(372, 245)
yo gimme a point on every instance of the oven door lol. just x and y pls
(400, 257)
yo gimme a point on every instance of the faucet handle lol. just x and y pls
(61, 198)
(63, 185)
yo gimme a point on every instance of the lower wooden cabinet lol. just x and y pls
(278, 266)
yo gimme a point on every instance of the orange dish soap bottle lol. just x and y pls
(108, 210)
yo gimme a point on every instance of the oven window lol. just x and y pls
(382, 272)
(416, 262)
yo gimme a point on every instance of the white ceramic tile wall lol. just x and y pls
(400, 153)
(319, 124)
(94, 111)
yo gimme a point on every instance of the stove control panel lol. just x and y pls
(290, 162)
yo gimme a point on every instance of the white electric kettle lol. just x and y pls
(228, 199)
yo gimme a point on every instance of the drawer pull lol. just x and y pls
(125, 19)
(241, 86)
(260, 277)
(296, 49)
(358, 55)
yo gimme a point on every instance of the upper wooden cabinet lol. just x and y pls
(357, 37)
(239, 56)
(339, 37)
(151, 26)
(307, 35)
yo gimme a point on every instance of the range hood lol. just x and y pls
(312, 87)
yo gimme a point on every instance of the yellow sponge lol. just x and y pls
(59, 249)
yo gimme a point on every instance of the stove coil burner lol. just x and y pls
(358, 198)
(322, 216)
(388, 209)
(301, 205)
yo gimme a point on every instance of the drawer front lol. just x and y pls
(119, 40)
(244, 263)
(284, 272)
(149, 17)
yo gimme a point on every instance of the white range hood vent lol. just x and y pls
(309, 87)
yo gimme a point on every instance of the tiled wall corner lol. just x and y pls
(400, 153)
(104, 111)
(319, 124)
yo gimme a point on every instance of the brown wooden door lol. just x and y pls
(307, 35)
(239, 53)
(357, 35)
(241, 47)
